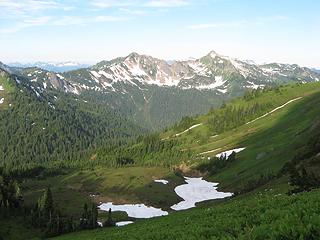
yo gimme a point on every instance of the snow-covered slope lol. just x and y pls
(211, 72)
(214, 72)
(148, 88)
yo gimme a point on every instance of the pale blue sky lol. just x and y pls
(90, 31)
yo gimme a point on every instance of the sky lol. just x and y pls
(286, 31)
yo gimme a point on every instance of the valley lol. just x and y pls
(247, 144)
(159, 120)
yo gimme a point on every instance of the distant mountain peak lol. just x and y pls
(213, 54)
(52, 66)
(134, 54)
(213, 71)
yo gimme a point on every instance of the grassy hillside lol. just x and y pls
(270, 141)
(119, 185)
(276, 127)
(267, 215)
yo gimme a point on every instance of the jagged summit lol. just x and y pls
(213, 54)
(213, 72)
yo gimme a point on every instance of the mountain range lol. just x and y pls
(116, 100)
(316, 70)
(51, 66)
(157, 93)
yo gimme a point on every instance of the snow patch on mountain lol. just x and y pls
(161, 181)
(211, 72)
(227, 154)
(197, 190)
(254, 86)
(218, 82)
(276, 109)
(224, 91)
(193, 126)
(134, 210)
(198, 68)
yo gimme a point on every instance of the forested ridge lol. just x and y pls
(43, 129)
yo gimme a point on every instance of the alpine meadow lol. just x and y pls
(144, 119)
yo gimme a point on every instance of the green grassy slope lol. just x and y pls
(263, 216)
(270, 141)
(119, 185)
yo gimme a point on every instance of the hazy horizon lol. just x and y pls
(90, 63)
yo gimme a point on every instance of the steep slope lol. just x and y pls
(274, 128)
(271, 125)
(267, 215)
(284, 130)
(40, 125)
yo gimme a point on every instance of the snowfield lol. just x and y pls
(197, 190)
(194, 126)
(218, 82)
(282, 106)
(229, 152)
(1, 88)
(210, 151)
(134, 210)
(162, 181)
(123, 223)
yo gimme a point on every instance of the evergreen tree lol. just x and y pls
(45, 204)
(84, 217)
(109, 222)
(94, 216)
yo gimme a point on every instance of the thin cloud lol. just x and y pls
(139, 3)
(112, 3)
(23, 9)
(62, 21)
(37, 21)
(166, 3)
(27, 23)
(26, 6)
(132, 11)
(218, 25)
(242, 23)
(83, 21)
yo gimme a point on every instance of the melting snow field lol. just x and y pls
(162, 181)
(229, 152)
(134, 210)
(197, 190)
(194, 126)
(120, 224)
(282, 106)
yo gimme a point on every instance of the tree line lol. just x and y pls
(45, 215)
